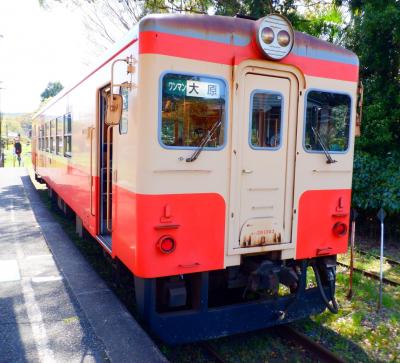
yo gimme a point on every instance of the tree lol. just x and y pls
(319, 18)
(375, 37)
(106, 21)
(52, 89)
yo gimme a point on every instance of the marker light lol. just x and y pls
(339, 229)
(166, 244)
(283, 38)
(275, 36)
(267, 35)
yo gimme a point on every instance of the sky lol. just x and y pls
(37, 46)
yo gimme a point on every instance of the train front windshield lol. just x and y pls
(191, 105)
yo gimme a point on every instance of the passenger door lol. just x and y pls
(263, 199)
(105, 172)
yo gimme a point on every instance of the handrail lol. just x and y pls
(109, 228)
(91, 129)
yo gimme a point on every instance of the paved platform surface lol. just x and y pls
(53, 306)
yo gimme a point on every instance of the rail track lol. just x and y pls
(388, 260)
(372, 275)
(316, 349)
(287, 332)
(213, 352)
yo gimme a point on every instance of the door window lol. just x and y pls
(266, 120)
(123, 125)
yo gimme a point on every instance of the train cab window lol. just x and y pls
(266, 120)
(67, 134)
(52, 135)
(59, 136)
(123, 125)
(327, 121)
(191, 107)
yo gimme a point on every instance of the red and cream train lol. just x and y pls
(212, 156)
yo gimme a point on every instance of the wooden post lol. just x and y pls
(354, 215)
(381, 216)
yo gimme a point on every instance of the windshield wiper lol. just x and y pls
(203, 142)
(324, 148)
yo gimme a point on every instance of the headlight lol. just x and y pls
(283, 38)
(267, 35)
(275, 36)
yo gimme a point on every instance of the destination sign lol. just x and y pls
(178, 87)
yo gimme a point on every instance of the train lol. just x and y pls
(211, 156)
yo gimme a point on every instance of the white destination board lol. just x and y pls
(202, 89)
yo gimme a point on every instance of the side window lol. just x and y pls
(59, 135)
(47, 131)
(52, 135)
(191, 107)
(327, 121)
(40, 138)
(67, 135)
(266, 120)
(123, 125)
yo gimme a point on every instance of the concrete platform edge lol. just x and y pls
(122, 336)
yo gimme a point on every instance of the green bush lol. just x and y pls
(376, 182)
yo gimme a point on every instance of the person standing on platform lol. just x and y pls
(17, 150)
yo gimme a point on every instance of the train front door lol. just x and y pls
(105, 195)
(263, 163)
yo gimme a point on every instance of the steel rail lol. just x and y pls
(313, 347)
(371, 274)
(211, 350)
(388, 260)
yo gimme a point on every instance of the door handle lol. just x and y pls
(247, 171)
(190, 265)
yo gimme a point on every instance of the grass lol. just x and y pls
(372, 264)
(377, 333)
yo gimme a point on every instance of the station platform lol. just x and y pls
(53, 305)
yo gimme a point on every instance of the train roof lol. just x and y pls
(224, 39)
(240, 32)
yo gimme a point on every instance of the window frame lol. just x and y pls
(67, 134)
(251, 119)
(59, 150)
(47, 136)
(52, 124)
(225, 118)
(340, 92)
(40, 138)
(121, 131)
